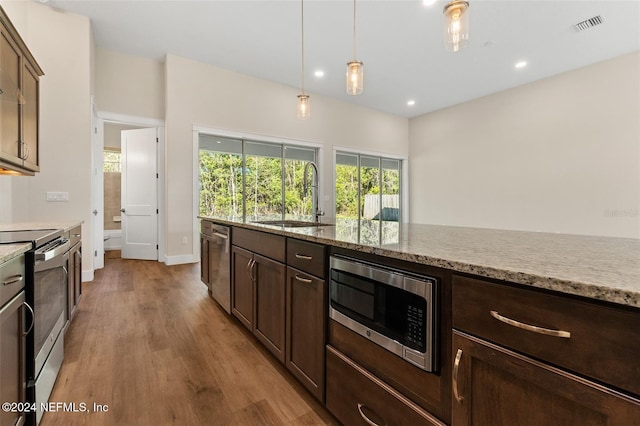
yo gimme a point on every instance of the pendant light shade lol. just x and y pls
(304, 105)
(355, 68)
(355, 77)
(456, 25)
(304, 110)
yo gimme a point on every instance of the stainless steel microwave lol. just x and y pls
(392, 308)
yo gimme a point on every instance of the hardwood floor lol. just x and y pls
(148, 343)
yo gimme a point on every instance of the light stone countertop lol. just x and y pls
(9, 251)
(602, 268)
(32, 226)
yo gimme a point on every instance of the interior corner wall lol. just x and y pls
(560, 154)
(129, 85)
(200, 94)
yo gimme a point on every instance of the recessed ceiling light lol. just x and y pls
(521, 64)
(429, 2)
(411, 102)
(319, 73)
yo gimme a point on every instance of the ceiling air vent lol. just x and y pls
(589, 23)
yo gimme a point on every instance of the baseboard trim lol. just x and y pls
(179, 260)
(87, 276)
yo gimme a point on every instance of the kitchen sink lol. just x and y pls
(292, 223)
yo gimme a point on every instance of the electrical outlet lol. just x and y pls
(185, 240)
(57, 196)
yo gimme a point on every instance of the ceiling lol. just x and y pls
(399, 41)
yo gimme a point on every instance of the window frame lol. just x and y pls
(404, 176)
(248, 137)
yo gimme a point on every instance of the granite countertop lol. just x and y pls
(602, 268)
(32, 226)
(9, 251)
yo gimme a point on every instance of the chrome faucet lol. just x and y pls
(314, 188)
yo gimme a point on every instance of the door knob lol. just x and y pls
(122, 210)
(95, 212)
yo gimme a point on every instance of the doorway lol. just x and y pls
(108, 163)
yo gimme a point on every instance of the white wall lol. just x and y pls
(213, 97)
(560, 155)
(61, 43)
(129, 85)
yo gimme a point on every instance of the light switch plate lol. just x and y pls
(57, 196)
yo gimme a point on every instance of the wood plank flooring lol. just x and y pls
(149, 343)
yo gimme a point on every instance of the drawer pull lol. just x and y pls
(364, 416)
(303, 280)
(456, 367)
(12, 280)
(303, 256)
(533, 328)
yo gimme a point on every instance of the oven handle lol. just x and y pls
(33, 318)
(57, 250)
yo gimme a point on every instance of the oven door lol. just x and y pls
(49, 297)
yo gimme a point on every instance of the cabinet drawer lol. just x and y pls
(12, 278)
(269, 245)
(75, 235)
(596, 340)
(354, 394)
(307, 257)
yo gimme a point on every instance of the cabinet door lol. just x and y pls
(306, 313)
(242, 286)
(29, 147)
(269, 301)
(204, 260)
(71, 286)
(9, 96)
(492, 385)
(12, 358)
(77, 254)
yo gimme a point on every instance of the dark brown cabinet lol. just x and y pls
(258, 287)
(357, 397)
(19, 103)
(269, 285)
(74, 270)
(493, 385)
(529, 357)
(14, 323)
(306, 313)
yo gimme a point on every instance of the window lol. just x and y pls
(252, 180)
(368, 191)
(111, 161)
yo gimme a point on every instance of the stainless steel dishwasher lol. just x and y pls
(215, 262)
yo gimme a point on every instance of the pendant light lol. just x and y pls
(456, 26)
(355, 68)
(304, 110)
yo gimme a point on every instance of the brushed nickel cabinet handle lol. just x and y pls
(529, 327)
(454, 377)
(249, 269)
(303, 256)
(364, 416)
(12, 279)
(33, 318)
(252, 275)
(303, 280)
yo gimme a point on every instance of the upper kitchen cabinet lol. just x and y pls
(19, 103)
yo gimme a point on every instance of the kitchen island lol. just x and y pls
(601, 268)
(524, 320)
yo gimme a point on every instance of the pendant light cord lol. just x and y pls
(302, 20)
(354, 30)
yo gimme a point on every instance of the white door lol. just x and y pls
(139, 204)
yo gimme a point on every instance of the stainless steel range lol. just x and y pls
(46, 288)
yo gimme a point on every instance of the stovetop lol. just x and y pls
(36, 237)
